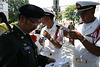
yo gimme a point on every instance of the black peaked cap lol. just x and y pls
(30, 10)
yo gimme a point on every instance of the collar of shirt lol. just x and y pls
(20, 28)
(90, 27)
(53, 27)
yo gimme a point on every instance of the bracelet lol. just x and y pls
(83, 40)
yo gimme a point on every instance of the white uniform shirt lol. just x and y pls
(48, 46)
(85, 29)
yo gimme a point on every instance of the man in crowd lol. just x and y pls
(52, 46)
(86, 39)
(17, 48)
(71, 27)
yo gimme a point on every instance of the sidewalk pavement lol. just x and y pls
(68, 50)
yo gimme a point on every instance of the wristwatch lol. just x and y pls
(83, 39)
(51, 39)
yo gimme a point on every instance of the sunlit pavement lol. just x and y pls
(67, 49)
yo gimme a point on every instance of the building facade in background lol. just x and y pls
(4, 7)
(97, 11)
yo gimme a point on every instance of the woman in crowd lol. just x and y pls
(4, 26)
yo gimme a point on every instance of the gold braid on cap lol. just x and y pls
(47, 14)
(85, 9)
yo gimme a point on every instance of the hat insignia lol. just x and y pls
(22, 37)
(47, 14)
(78, 5)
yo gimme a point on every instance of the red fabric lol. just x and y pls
(96, 34)
(34, 37)
(56, 33)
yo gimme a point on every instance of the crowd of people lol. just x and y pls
(18, 48)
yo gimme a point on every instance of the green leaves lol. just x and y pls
(13, 6)
(59, 16)
(69, 13)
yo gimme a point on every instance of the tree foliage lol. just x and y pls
(59, 16)
(13, 6)
(69, 13)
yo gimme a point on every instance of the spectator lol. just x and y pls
(17, 48)
(64, 24)
(4, 26)
(71, 26)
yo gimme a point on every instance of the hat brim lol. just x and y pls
(79, 12)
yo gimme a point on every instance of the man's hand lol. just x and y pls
(50, 60)
(66, 33)
(46, 34)
(75, 35)
(40, 41)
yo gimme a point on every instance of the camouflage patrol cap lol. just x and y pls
(30, 10)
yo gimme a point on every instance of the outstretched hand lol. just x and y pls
(75, 35)
(66, 33)
(51, 60)
(46, 34)
(41, 41)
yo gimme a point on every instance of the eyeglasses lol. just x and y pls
(36, 22)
